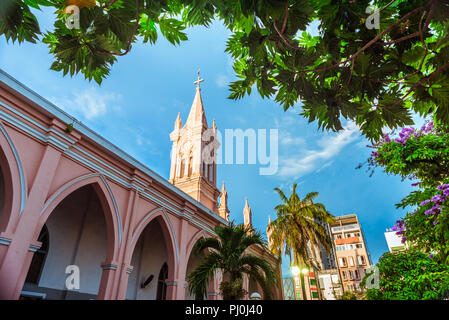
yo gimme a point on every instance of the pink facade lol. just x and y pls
(43, 164)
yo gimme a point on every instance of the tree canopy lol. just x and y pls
(354, 69)
(421, 154)
(409, 275)
(299, 228)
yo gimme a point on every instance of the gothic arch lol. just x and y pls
(200, 234)
(14, 180)
(169, 237)
(109, 206)
(189, 248)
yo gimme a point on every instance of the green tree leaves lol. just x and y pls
(374, 77)
(17, 23)
(409, 275)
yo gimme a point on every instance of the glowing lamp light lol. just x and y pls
(305, 271)
(295, 271)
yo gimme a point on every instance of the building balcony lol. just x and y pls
(347, 240)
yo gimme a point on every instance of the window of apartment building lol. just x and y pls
(351, 261)
(351, 275)
(340, 247)
(359, 245)
(357, 275)
(342, 262)
(361, 259)
(357, 234)
(343, 274)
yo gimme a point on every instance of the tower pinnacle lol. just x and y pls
(223, 210)
(247, 215)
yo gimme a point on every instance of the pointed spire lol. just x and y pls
(223, 189)
(178, 122)
(197, 115)
(214, 126)
(223, 210)
(247, 215)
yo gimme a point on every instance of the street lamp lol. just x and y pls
(296, 271)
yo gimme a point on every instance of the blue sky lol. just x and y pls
(136, 106)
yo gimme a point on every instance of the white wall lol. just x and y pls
(393, 240)
(149, 256)
(72, 241)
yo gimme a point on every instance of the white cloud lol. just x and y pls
(328, 164)
(222, 81)
(89, 103)
(285, 138)
(305, 161)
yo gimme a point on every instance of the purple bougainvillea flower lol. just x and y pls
(424, 202)
(430, 256)
(438, 199)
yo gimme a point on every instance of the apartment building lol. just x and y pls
(351, 251)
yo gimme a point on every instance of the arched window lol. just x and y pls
(190, 165)
(211, 173)
(38, 261)
(181, 173)
(161, 285)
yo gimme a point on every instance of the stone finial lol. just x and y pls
(223, 210)
(178, 122)
(247, 215)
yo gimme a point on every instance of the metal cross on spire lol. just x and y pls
(197, 82)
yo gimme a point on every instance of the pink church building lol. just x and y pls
(68, 197)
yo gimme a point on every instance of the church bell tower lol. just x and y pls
(193, 167)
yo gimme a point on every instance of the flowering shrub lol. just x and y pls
(408, 275)
(421, 154)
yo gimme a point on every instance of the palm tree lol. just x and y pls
(229, 253)
(300, 227)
